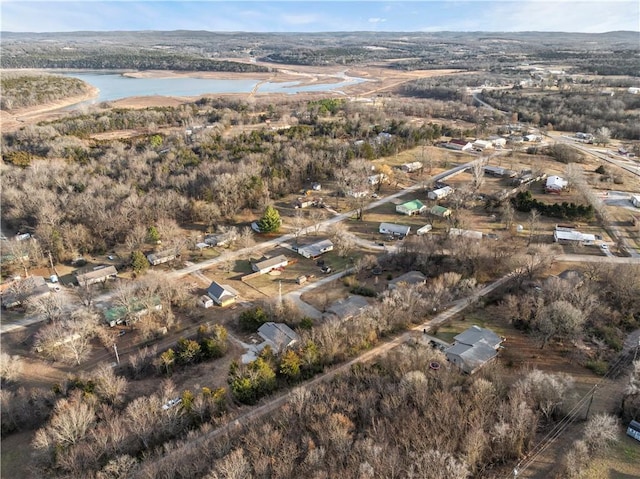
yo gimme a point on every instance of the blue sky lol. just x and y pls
(321, 16)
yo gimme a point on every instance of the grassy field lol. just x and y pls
(621, 461)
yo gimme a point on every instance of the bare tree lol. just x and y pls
(68, 340)
(317, 216)
(109, 386)
(10, 367)
(507, 214)
(343, 240)
(477, 174)
(559, 320)
(48, 308)
(533, 222)
(601, 431)
(246, 237)
(298, 223)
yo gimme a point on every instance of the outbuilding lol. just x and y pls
(440, 211)
(635, 201)
(411, 167)
(424, 230)
(555, 184)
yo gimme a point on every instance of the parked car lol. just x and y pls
(171, 403)
(326, 269)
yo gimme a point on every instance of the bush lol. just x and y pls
(610, 336)
(252, 319)
(364, 291)
(601, 170)
(598, 366)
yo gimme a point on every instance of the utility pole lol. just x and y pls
(590, 402)
(115, 348)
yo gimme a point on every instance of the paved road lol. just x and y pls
(276, 402)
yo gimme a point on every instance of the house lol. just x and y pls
(635, 201)
(346, 309)
(569, 236)
(411, 167)
(482, 144)
(222, 294)
(28, 289)
(473, 348)
(161, 257)
(270, 264)
(408, 279)
(316, 249)
(216, 240)
(440, 211)
(440, 193)
(411, 208)
(555, 184)
(476, 235)
(424, 230)
(459, 145)
(304, 202)
(100, 274)
(278, 335)
(393, 229)
(499, 172)
(134, 310)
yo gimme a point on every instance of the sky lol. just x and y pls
(590, 16)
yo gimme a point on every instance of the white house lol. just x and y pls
(459, 145)
(411, 208)
(267, 265)
(568, 236)
(440, 193)
(482, 144)
(316, 249)
(393, 229)
(555, 184)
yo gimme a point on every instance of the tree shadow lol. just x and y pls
(613, 474)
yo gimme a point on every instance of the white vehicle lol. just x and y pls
(171, 403)
(604, 247)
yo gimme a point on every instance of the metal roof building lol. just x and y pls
(473, 348)
(278, 335)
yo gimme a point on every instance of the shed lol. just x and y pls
(267, 265)
(409, 279)
(440, 211)
(278, 335)
(222, 294)
(411, 208)
(316, 249)
(440, 193)
(394, 229)
(424, 230)
(482, 144)
(100, 274)
(205, 301)
(458, 144)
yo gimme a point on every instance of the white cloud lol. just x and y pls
(300, 19)
(377, 20)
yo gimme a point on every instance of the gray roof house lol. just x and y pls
(222, 294)
(346, 309)
(394, 229)
(316, 249)
(473, 348)
(278, 335)
(31, 288)
(267, 265)
(100, 274)
(410, 278)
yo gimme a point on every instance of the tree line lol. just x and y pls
(26, 90)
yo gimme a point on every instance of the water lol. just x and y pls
(115, 86)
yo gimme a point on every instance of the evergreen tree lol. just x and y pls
(270, 221)
(139, 262)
